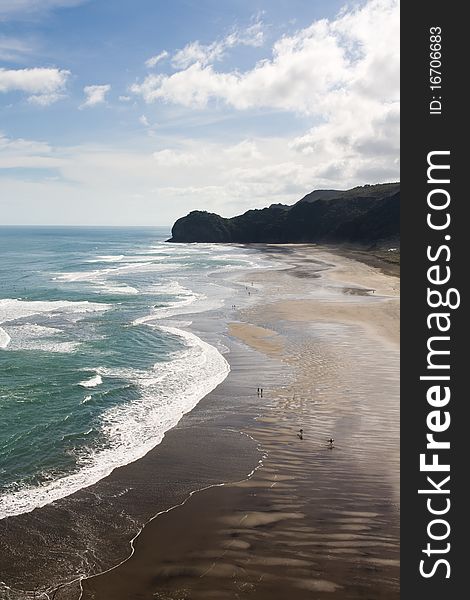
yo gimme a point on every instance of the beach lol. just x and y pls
(233, 503)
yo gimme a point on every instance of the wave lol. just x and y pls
(105, 279)
(12, 309)
(171, 287)
(186, 302)
(21, 341)
(93, 382)
(170, 310)
(30, 336)
(98, 275)
(4, 338)
(36, 337)
(107, 258)
(167, 392)
(119, 288)
(184, 297)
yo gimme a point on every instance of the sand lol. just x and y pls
(321, 337)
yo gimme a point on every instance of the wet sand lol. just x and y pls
(311, 521)
(45, 553)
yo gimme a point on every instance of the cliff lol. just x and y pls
(367, 215)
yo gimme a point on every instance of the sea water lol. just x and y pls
(97, 359)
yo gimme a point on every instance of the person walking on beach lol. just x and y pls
(301, 434)
(330, 442)
(261, 390)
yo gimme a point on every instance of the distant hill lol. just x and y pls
(367, 215)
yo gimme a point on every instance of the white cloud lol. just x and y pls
(341, 73)
(246, 149)
(357, 52)
(22, 9)
(195, 52)
(154, 60)
(14, 49)
(149, 126)
(124, 98)
(172, 158)
(45, 99)
(120, 186)
(95, 94)
(45, 85)
(20, 153)
(250, 36)
(100, 184)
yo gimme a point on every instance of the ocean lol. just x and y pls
(97, 357)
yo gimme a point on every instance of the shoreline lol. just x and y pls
(94, 474)
(222, 562)
(387, 261)
(218, 419)
(98, 522)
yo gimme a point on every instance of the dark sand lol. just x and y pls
(311, 522)
(90, 531)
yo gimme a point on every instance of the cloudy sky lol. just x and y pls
(134, 112)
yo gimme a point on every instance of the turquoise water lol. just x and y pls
(97, 359)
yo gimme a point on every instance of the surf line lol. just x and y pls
(441, 299)
(260, 464)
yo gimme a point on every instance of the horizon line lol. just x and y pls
(80, 225)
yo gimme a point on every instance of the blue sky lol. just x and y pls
(136, 112)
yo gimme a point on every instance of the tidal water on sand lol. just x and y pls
(90, 375)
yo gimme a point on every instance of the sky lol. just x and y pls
(135, 112)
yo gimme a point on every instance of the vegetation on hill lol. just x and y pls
(367, 215)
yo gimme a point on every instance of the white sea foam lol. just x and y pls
(176, 307)
(231, 257)
(249, 264)
(93, 382)
(106, 279)
(119, 288)
(184, 297)
(12, 309)
(86, 399)
(154, 259)
(171, 287)
(167, 392)
(29, 335)
(186, 302)
(4, 338)
(36, 337)
(107, 258)
(170, 250)
(177, 323)
(98, 275)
